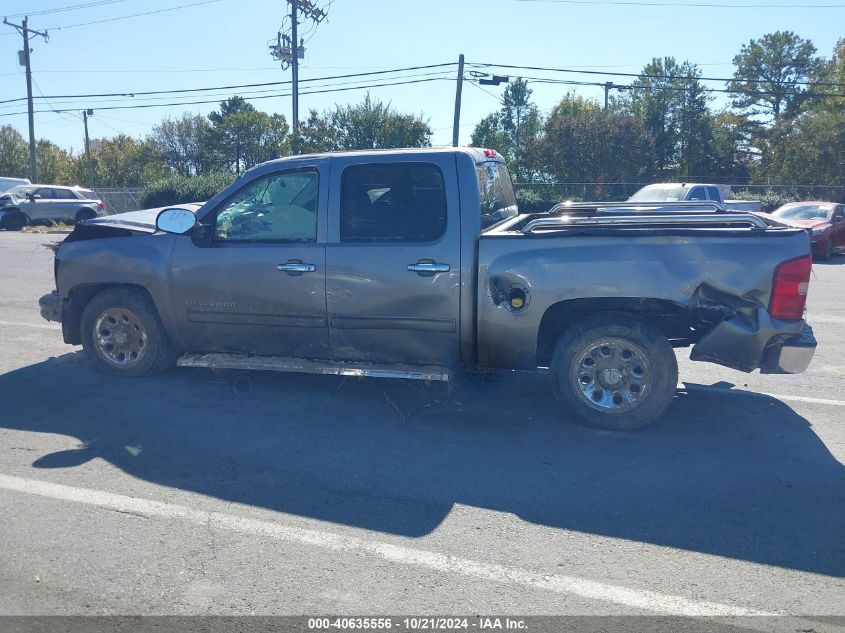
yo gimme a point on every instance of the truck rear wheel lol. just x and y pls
(123, 335)
(614, 371)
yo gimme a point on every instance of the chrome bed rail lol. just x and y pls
(675, 220)
(635, 207)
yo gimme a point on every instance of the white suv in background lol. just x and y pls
(26, 204)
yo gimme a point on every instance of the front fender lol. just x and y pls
(134, 260)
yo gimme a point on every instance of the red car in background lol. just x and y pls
(824, 221)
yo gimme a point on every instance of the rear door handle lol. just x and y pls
(296, 267)
(425, 267)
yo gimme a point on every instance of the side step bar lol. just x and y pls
(300, 365)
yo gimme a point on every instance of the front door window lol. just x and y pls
(280, 207)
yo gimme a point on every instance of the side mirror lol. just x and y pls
(33, 196)
(177, 221)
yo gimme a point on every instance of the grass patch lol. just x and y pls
(56, 227)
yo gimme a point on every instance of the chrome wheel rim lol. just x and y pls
(120, 338)
(611, 374)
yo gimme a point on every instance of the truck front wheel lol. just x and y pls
(614, 371)
(123, 335)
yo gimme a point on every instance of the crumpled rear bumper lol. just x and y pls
(51, 307)
(789, 355)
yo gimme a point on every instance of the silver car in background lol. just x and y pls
(27, 204)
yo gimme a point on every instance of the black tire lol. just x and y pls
(614, 393)
(15, 220)
(156, 353)
(85, 214)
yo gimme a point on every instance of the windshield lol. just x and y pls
(497, 198)
(21, 190)
(659, 193)
(803, 212)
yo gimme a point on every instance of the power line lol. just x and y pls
(547, 80)
(87, 5)
(238, 86)
(436, 74)
(287, 94)
(134, 15)
(706, 5)
(644, 76)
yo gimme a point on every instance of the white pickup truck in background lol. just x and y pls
(686, 191)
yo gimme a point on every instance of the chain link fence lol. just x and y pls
(121, 199)
(536, 197)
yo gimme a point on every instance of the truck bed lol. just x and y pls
(705, 277)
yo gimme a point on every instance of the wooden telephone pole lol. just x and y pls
(289, 49)
(24, 60)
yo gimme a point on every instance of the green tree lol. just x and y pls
(831, 76)
(373, 124)
(242, 137)
(670, 100)
(183, 143)
(583, 143)
(732, 154)
(55, 165)
(316, 134)
(514, 131)
(809, 149)
(122, 161)
(769, 72)
(14, 153)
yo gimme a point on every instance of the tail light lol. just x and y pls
(101, 205)
(789, 289)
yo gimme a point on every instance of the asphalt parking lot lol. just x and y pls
(312, 494)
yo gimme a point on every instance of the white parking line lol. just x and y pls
(40, 326)
(825, 318)
(656, 602)
(776, 396)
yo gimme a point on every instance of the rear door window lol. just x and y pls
(404, 202)
(713, 193)
(496, 190)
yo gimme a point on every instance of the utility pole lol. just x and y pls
(294, 23)
(457, 125)
(607, 86)
(289, 49)
(24, 30)
(85, 115)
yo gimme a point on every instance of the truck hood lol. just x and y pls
(140, 221)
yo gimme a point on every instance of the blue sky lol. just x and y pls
(224, 42)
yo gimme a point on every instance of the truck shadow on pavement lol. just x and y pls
(743, 477)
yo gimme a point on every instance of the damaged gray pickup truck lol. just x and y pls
(415, 263)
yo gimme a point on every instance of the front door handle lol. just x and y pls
(296, 267)
(428, 267)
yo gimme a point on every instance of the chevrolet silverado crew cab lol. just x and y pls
(416, 263)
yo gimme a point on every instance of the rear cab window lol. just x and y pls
(404, 202)
(495, 187)
(697, 193)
